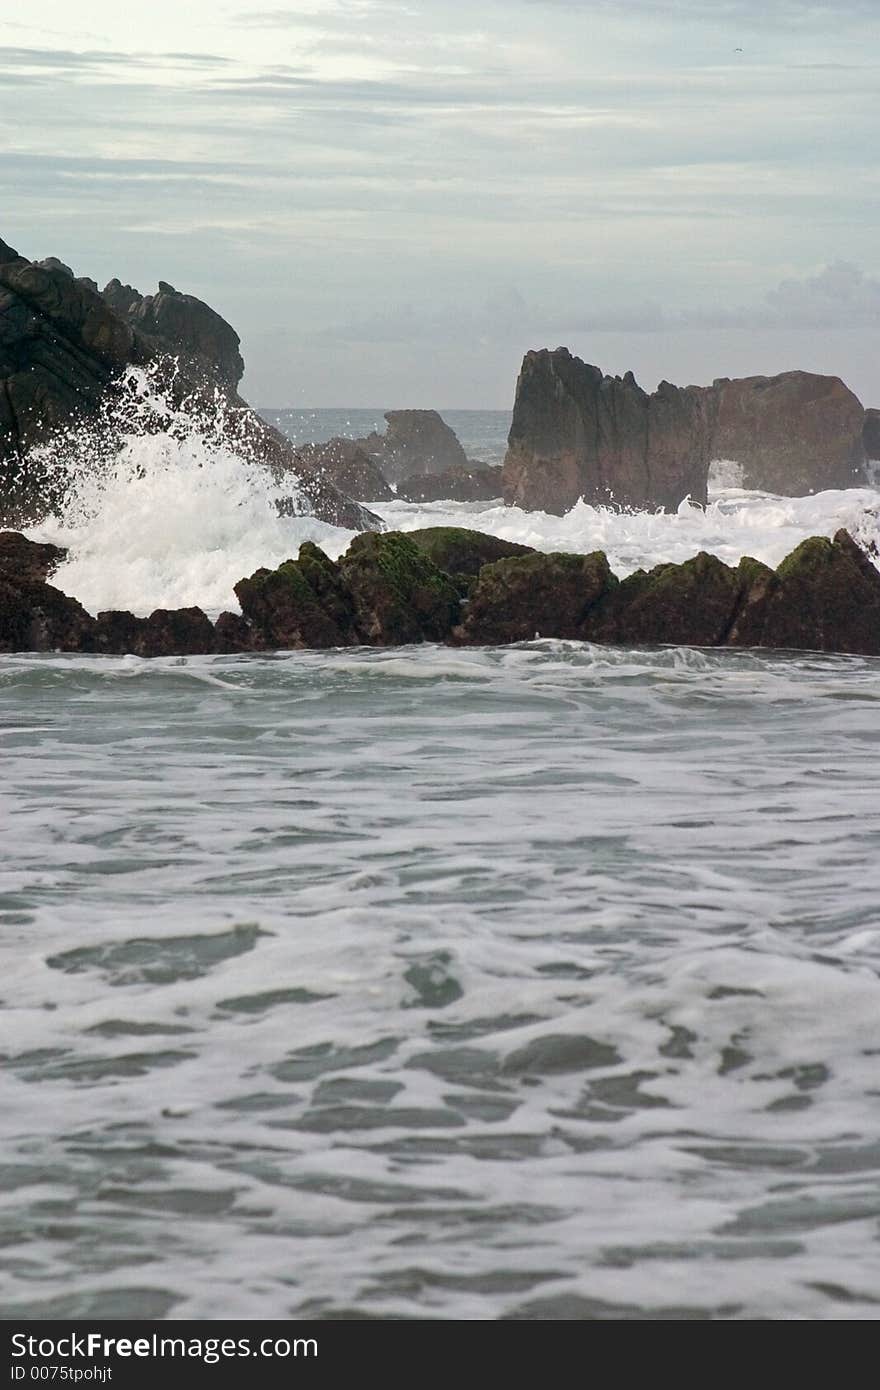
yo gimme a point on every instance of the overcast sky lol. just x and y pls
(392, 201)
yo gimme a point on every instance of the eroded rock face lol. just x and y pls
(348, 466)
(416, 442)
(183, 327)
(469, 484)
(871, 434)
(792, 434)
(579, 434)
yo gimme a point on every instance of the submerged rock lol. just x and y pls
(469, 484)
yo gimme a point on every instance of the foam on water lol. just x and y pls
(532, 982)
(176, 517)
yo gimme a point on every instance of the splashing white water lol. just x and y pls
(177, 516)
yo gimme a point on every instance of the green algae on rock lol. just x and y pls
(518, 599)
(399, 595)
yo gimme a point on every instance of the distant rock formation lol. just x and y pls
(576, 433)
(579, 434)
(64, 349)
(871, 434)
(416, 442)
(347, 465)
(792, 434)
(469, 484)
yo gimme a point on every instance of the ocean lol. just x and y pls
(529, 982)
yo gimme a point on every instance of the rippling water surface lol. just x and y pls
(536, 982)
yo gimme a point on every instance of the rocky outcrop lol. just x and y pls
(348, 466)
(871, 434)
(386, 590)
(416, 442)
(64, 352)
(473, 483)
(23, 560)
(791, 434)
(533, 596)
(457, 550)
(183, 327)
(578, 434)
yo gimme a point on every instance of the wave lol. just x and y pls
(172, 514)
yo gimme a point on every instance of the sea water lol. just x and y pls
(528, 982)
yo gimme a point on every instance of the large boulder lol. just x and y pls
(399, 595)
(473, 483)
(64, 354)
(792, 434)
(302, 603)
(166, 632)
(691, 604)
(416, 442)
(578, 434)
(459, 551)
(519, 599)
(348, 466)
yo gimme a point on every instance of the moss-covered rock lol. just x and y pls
(518, 599)
(458, 551)
(825, 596)
(302, 603)
(399, 595)
(692, 604)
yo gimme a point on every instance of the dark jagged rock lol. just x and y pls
(469, 484)
(416, 442)
(166, 632)
(35, 617)
(536, 595)
(23, 560)
(692, 604)
(302, 603)
(235, 634)
(64, 353)
(578, 434)
(871, 434)
(183, 327)
(792, 434)
(348, 467)
(399, 595)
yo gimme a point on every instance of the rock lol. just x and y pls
(399, 595)
(21, 559)
(693, 604)
(469, 484)
(64, 352)
(871, 434)
(578, 434)
(792, 434)
(183, 327)
(416, 442)
(35, 617)
(302, 603)
(166, 632)
(458, 551)
(519, 599)
(349, 468)
(825, 596)
(235, 634)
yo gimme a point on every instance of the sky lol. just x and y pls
(392, 202)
